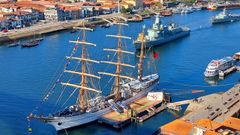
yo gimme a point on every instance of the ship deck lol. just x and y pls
(142, 108)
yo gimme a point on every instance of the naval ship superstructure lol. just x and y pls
(224, 16)
(160, 34)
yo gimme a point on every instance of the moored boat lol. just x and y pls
(187, 10)
(166, 13)
(237, 56)
(215, 66)
(14, 44)
(106, 25)
(135, 18)
(160, 34)
(212, 6)
(39, 39)
(30, 43)
(73, 31)
(146, 16)
(224, 16)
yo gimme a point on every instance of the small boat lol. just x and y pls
(146, 16)
(91, 27)
(31, 43)
(73, 31)
(187, 10)
(166, 13)
(14, 44)
(237, 56)
(215, 66)
(160, 34)
(135, 18)
(106, 25)
(197, 7)
(212, 6)
(39, 39)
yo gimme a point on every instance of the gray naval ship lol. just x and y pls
(224, 16)
(160, 34)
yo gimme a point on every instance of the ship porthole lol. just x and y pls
(59, 123)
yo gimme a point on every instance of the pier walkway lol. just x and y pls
(43, 28)
(179, 103)
(215, 106)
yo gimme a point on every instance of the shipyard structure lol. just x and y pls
(212, 114)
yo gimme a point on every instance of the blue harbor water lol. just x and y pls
(26, 73)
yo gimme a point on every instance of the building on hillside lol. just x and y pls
(15, 23)
(4, 22)
(136, 3)
(53, 13)
(72, 13)
(229, 126)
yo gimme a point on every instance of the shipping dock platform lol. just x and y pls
(216, 113)
(139, 111)
(215, 107)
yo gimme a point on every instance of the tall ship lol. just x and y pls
(224, 16)
(160, 34)
(90, 103)
(215, 66)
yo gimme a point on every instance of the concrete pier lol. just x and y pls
(215, 107)
(212, 114)
(44, 28)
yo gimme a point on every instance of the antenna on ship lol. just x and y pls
(141, 55)
(83, 84)
(118, 64)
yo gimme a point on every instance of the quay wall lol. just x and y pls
(43, 29)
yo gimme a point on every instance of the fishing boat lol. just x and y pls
(31, 43)
(88, 109)
(215, 66)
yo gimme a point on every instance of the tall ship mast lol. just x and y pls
(90, 104)
(119, 64)
(126, 89)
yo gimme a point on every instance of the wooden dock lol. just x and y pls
(222, 74)
(140, 110)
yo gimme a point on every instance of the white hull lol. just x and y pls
(73, 121)
(213, 70)
(61, 123)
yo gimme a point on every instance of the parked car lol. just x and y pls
(5, 31)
